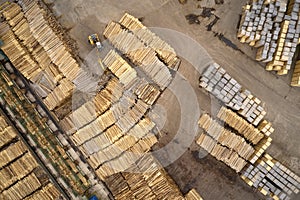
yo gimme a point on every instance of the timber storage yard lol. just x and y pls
(151, 99)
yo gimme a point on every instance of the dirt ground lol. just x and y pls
(211, 178)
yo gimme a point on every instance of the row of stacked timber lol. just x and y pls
(273, 27)
(163, 49)
(271, 178)
(225, 88)
(146, 179)
(140, 53)
(20, 173)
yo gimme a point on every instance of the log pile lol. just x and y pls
(273, 27)
(221, 153)
(225, 137)
(271, 178)
(219, 83)
(296, 75)
(247, 130)
(138, 53)
(163, 49)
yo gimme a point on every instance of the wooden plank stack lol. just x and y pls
(163, 49)
(296, 75)
(271, 178)
(219, 83)
(273, 27)
(141, 55)
(247, 130)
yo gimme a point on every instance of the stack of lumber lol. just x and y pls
(296, 74)
(144, 180)
(17, 170)
(51, 43)
(7, 134)
(221, 153)
(147, 93)
(138, 53)
(120, 68)
(271, 178)
(225, 137)
(129, 157)
(219, 83)
(59, 94)
(163, 49)
(94, 128)
(114, 142)
(122, 106)
(193, 195)
(20, 173)
(17, 54)
(247, 130)
(132, 116)
(273, 27)
(48, 192)
(22, 188)
(12, 152)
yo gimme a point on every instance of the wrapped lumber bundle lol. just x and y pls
(163, 49)
(272, 27)
(48, 192)
(193, 195)
(17, 170)
(271, 178)
(260, 148)
(59, 94)
(134, 49)
(296, 75)
(52, 44)
(17, 54)
(220, 84)
(120, 68)
(12, 152)
(7, 135)
(22, 188)
(132, 116)
(147, 92)
(247, 130)
(266, 128)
